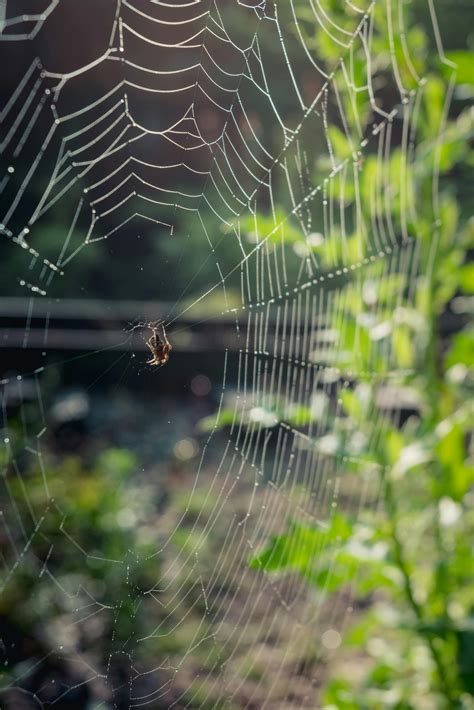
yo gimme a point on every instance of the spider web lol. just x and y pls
(193, 122)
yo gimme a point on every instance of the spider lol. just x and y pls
(159, 345)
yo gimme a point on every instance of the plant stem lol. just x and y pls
(417, 609)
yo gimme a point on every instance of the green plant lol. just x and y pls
(416, 549)
(411, 556)
(77, 555)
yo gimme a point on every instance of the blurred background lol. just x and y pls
(281, 516)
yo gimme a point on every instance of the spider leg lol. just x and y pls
(150, 343)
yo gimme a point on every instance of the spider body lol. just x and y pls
(159, 345)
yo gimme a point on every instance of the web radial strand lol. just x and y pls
(221, 125)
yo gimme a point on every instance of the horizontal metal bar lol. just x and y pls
(99, 339)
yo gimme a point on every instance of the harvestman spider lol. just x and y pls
(159, 344)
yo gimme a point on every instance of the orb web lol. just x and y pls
(218, 125)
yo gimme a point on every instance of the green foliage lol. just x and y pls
(84, 550)
(463, 61)
(416, 552)
(413, 556)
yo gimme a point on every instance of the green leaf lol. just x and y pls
(394, 443)
(351, 403)
(382, 675)
(299, 416)
(449, 214)
(300, 547)
(275, 230)
(451, 453)
(464, 70)
(403, 346)
(226, 417)
(341, 145)
(339, 695)
(450, 446)
(466, 278)
(434, 102)
(462, 349)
